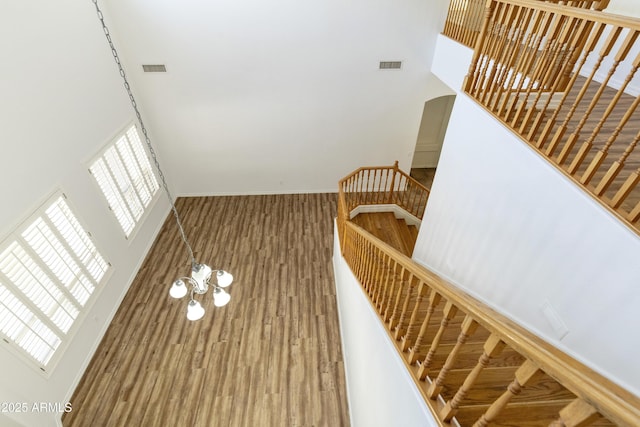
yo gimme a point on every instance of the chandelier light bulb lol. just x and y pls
(223, 278)
(194, 310)
(178, 289)
(220, 297)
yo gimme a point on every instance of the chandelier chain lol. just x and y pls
(147, 140)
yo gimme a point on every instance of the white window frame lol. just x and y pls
(124, 175)
(77, 270)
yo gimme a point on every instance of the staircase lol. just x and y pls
(472, 365)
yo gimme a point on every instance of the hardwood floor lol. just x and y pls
(424, 176)
(271, 357)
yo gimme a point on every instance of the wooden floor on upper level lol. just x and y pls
(271, 357)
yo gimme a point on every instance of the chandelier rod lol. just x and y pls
(147, 140)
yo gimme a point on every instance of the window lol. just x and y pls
(48, 271)
(125, 177)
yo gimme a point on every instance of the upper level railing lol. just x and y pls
(468, 361)
(465, 17)
(565, 80)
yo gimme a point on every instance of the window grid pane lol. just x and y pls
(48, 273)
(114, 198)
(126, 179)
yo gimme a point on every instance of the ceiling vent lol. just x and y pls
(154, 68)
(390, 65)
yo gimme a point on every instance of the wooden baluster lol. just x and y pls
(539, 27)
(555, 56)
(448, 313)
(492, 347)
(395, 299)
(459, 21)
(447, 23)
(616, 166)
(523, 375)
(400, 326)
(393, 182)
(515, 55)
(501, 49)
(385, 298)
(591, 44)
(629, 185)
(434, 300)
(540, 67)
(586, 146)
(456, 13)
(474, 22)
(473, 73)
(634, 215)
(407, 339)
(497, 36)
(578, 413)
(467, 329)
(378, 289)
(572, 37)
(606, 49)
(380, 269)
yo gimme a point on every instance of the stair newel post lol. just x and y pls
(472, 74)
(408, 336)
(401, 326)
(492, 347)
(578, 413)
(448, 313)
(523, 375)
(434, 300)
(393, 182)
(468, 328)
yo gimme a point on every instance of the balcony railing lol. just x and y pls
(465, 17)
(469, 362)
(564, 78)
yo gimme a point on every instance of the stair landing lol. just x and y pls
(386, 227)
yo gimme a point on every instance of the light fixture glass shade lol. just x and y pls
(194, 310)
(220, 297)
(223, 278)
(178, 289)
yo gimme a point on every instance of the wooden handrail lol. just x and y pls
(387, 276)
(563, 79)
(465, 17)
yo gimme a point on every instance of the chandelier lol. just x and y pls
(200, 279)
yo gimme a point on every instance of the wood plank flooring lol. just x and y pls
(271, 357)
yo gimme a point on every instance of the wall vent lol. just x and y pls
(154, 68)
(390, 65)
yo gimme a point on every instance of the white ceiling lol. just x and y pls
(280, 96)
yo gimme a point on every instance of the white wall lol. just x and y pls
(280, 96)
(509, 228)
(380, 390)
(61, 101)
(624, 7)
